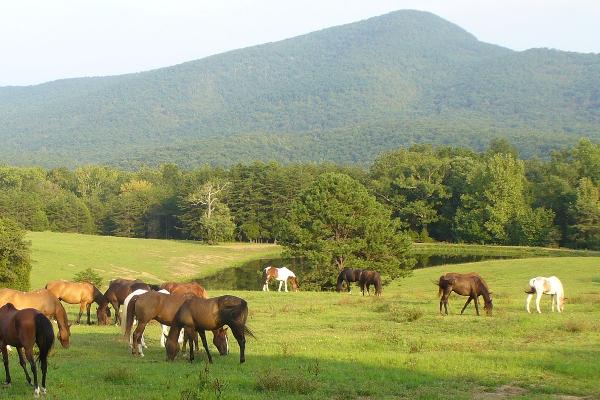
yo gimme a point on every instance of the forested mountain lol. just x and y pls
(343, 94)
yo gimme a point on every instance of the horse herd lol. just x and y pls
(185, 311)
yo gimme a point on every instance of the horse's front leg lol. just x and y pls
(476, 304)
(89, 321)
(552, 299)
(348, 283)
(188, 337)
(285, 284)
(23, 364)
(5, 359)
(205, 344)
(115, 305)
(466, 304)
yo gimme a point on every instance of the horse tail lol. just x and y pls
(248, 332)
(340, 280)
(128, 315)
(44, 335)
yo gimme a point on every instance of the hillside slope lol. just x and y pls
(341, 94)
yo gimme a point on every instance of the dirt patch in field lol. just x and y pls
(503, 392)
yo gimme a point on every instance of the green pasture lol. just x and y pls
(62, 255)
(345, 346)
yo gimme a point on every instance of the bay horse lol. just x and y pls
(22, 329)
(348, 275)
(165, 328)
(43, 301)
(198, 315)
(470, 284)
(282, 274)
(118, 290)
(162, 308)
(541, 285)
(82, 293)
(368, 278)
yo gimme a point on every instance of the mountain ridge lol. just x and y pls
(341, 84)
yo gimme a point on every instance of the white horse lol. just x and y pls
(552, 286)
(165, 328)
(282, 274)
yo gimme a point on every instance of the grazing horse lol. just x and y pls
(368, 278)
(282, 274)
(192, 288)
(162, 308)
(552, 286)
(165, 328)
(470, 284)
(116, 293)
(43, 301)
(22, 329)
(82, 293)
(199, 315)
(348, 275)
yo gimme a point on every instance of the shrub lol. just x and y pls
(88, 275)
(15, 264)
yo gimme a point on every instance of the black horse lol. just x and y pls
(348, 275)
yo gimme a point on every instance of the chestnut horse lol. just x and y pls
(82, 293)
(348, 275)
(22, 329)
(162, 308)
(43, 301)
(177, 288)
(117, 292)
(470, 284)
(368, 278)
(199, 315)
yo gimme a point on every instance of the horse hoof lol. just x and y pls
(36, 392)
(44, 391)
(6, 385)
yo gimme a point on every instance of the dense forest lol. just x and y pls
(434, 193)
(340, 95)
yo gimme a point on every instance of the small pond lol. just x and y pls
(249, 275)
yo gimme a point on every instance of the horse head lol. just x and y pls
(294, 283)
(63, 336)
(221, 341)
(172, 346)
(103, 314)
(488, 306)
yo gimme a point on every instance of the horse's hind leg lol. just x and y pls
(23, 364)
(29, 355)
(5, 359)
(205, 344)
(44, 365)
(136, 348)
(552, 300)
(81, 308)
(466, 304)
(238, 333)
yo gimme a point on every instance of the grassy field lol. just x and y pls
(502, 251)
(61, 255)
(344, 346)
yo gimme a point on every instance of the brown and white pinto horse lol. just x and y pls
(282, 274)
(82, 293)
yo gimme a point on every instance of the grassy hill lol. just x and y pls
(341, 346)
(342, 94)
(62, 255)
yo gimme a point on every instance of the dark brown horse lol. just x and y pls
(82, 293)
(162, 308)
(348, 275)
(22, 329)
(177, 288)
(200, 315)
(43, 301)
(117, 292)
(470, 284)
(368, 278)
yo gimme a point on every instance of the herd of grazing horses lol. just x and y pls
(186, 311)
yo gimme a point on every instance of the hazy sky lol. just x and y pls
(52, 39)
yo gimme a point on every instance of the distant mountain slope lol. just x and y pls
(341, 94)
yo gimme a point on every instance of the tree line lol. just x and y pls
(448, 194)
